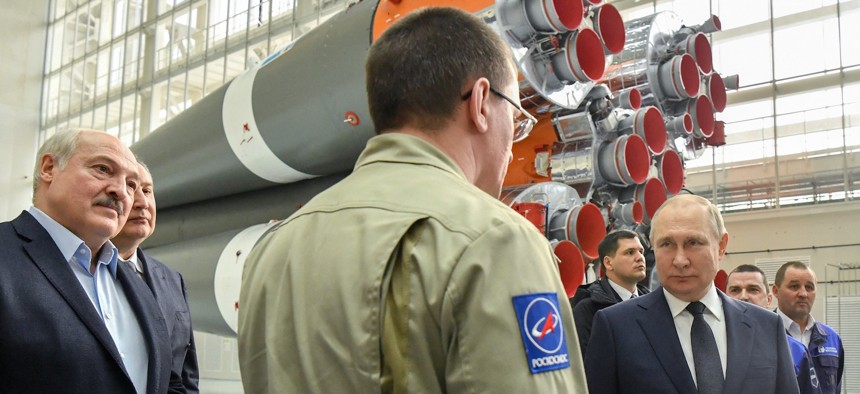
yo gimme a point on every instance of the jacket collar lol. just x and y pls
(404, 148)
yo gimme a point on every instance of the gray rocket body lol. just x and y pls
(279, 123)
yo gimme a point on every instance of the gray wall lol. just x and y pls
(825, 234)
(23, 27)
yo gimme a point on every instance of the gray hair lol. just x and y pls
(61, 146)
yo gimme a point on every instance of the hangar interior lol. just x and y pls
(787, 179)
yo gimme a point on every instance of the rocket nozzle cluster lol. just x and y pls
(621, 146)
(561, 46)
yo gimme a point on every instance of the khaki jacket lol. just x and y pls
(400, 278)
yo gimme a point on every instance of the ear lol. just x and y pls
(724, 242)
(769, 299)
(478, 105)
(773, 291)
(607, 263)
(47, 166)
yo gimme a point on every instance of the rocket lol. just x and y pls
(621, 106)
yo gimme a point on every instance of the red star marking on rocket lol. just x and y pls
(246, 129)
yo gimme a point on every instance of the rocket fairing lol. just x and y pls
(620, 106)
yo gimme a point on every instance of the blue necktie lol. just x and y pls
(706, 358)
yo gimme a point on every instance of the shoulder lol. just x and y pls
(827, 329)
(8, 232)
(751, 314)
(152, 262)
(625, 310)
(798, 351)
(584, 292)
(422, 191)
(582, 305)
(25, 225)
(831, 337)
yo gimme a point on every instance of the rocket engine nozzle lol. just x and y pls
(681, 125)
(625, 160)
(571, 266)
(628, 99)
(583, 225)
(581, 58)
(651, 194)
(698, 46)
(670, 171)
(610, 27)
(679, 77)
(716, 91)
(648, 124)
(524, 20)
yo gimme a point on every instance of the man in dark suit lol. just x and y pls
(71, 319)
(687, 336)
(166, 284)
(622, 259)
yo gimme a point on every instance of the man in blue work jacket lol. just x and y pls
(748, 283)
(794, 287)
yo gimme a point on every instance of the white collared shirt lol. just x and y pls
(622, 292)
(794, 329)
(714, 316)
(136, 262)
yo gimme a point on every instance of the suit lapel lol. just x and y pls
(149, 271)
(46, 256)
(739, 335)
(150, 319)
(659, 326)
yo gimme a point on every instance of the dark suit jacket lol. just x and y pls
(589, 299)
(634, 348)
(52, 340)
(169, 289)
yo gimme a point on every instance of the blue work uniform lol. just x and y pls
(807, 379)
(828, 357)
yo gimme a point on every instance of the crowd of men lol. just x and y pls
(408, 276)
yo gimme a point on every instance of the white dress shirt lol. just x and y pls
(622, 292)
(714, 316)
(794, 329)
(135, 262)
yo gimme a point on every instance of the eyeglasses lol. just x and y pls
(523, 123)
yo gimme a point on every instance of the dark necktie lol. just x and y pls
(706, 358)
(133, 267)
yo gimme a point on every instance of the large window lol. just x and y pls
(793, 127)
(128, 66)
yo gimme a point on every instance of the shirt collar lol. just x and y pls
(788, 323)
(73, 248)
(711, 300)
(135, 261)
(132, 259)
(621, 291)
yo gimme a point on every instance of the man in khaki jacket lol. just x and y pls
(409, 275)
